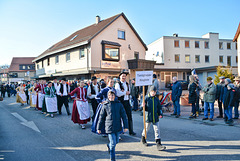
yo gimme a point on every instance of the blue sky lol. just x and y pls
(29, 27)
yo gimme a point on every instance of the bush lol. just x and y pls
(223, 71)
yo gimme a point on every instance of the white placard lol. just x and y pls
(143, 78)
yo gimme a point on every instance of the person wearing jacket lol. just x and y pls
(192, 99)
(209, 98)
(176, 94)
(153, 113)
(134, 93)
(236, 105)
(156, 85)
(223, 95)
(229, 101)
(198, 89)
(219, 89)
(111, 114)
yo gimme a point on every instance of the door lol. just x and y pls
(167, 80)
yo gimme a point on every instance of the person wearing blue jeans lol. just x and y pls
(111, 115)
(209, 98)
(236, 105)
(176, 94)
(229, 101)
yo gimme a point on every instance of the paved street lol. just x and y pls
(58, 139)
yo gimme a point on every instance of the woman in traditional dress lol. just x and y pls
(50, 100)
(21, 96)
(33, 95)
(101, 98)
(40, 94)
(81, 110)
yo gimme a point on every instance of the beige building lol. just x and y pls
(21, 69)
(101, 49)
(177, 56)
(237, 39)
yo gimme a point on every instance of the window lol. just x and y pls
(236, 46)
(37, 66)
(206, 58)
(197, 44)
(110, 52)
(187, 44)
(73, 37)
(220, 59)
(67, 57)
(174, 75)
(121, 34)
(184, 75)
(220, 45)
(229, 63)
(81, 53)
(23, 67)
(56, 59)
(176, 43)
(42, 65)
(157, 53)
(197, 58)
(136, 55)
(162, 76)
(177, 58)
(236, 59)
(48, 61)
(187, 58)
(228, 45)
(206, 45)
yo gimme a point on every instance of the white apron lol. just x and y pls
(23, 96)
(51, 104)
(34, 99)
(83, 110)
(40, 99)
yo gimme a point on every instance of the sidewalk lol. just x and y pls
(186, 111)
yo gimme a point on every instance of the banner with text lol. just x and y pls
(143, 78)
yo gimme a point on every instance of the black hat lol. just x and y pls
(93, 78)
(123, 73)
(64, 79)
(154, 76)
(49, 82)
(133, 79)
(54, 78)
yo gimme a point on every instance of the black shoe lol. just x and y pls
(108, 149)
(69, 114)
(132, 133)
(205, 118)
(60, 113)
(177, 116)
(219, 116)
(160, 147)
(143, 141)
(235, 118)
(173, 114)
(193, 117)
(211, 119)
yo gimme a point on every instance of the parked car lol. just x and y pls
(183, 83)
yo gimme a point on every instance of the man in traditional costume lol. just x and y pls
(64, 91)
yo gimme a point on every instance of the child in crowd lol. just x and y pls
(111, 114)
(153, 113)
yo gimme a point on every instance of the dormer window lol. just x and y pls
(73, 37)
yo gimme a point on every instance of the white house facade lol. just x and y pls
(177, 56)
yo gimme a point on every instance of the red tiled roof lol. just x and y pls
(16, 61)
(86, 34)
(237, 33)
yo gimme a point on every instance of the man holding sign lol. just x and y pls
(123, 92)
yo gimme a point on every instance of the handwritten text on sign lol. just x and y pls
(144, 78)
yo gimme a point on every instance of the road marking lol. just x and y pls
(24, 122)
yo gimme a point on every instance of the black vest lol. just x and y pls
(92, 89)
(122, 88)
(61, 88)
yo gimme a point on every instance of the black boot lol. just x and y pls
(144, 142)
(160, 147)
(131, 132)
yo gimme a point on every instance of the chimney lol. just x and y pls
(98, 19)
(175, 35)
